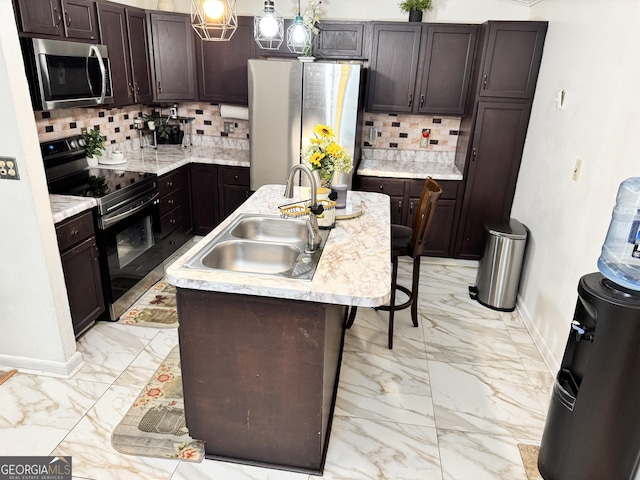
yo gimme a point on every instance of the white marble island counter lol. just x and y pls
(354, 268)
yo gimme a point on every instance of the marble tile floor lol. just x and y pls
(451, 401)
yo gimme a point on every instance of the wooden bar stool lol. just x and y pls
(410, 242)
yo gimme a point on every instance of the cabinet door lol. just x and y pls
(81, 19)
(512, 59)
(341, 40)
(113, 32)
(222, 66)
(204, 198)
(440, 232)
(445, 70)
(40, 16)
(498, 142)
(394, 62)
(84, 288)
(394, 187)
(233, 184)
(139, 55)
(173, 57)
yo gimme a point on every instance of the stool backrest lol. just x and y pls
(431, 191)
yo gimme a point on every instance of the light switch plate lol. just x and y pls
(229, 127)
(9, 168)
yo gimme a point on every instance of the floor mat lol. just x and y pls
(156, 308)
(529, 454)
(155, 425)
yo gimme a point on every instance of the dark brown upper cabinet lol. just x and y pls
(421, 68)
(512, 59)
(73, 19)
(447, 53)
(123, 31)
(172, 43)
(222, 66)
(341, 40)
(395, 50)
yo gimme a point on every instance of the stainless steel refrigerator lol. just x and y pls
(287, 99)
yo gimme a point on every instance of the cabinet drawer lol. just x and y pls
(74, 230)
(235, 176)
(171, 181)
(449, 189)
(170, 201)
(171, 221)
(388, 186)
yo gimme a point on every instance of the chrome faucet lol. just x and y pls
(313, 240)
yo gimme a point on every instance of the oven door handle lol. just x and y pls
(106, 222)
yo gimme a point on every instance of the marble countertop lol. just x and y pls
(354, 268)
(160, 161)
(408, 164)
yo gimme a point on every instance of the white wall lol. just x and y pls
(34, 315)
(591, 51)
(443, 11)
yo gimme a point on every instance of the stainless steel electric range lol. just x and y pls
(127, 219)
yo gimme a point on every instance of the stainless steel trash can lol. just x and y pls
(499, 270)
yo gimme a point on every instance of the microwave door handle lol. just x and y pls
(103, 73)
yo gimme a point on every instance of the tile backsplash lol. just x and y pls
(117, 123)
(405, 131)
(394, 131)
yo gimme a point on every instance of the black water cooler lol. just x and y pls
(592, 430)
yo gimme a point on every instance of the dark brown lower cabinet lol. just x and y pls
(216, 191)
(176, 225)
(404, 195)
(260, 376)
(233, 184)
(81, 268)
(204, 198)
(492, 172)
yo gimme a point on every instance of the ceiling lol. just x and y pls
(526, 3)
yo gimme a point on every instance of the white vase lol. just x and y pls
(166, 5)
(92, 161)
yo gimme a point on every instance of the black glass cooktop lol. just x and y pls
(97, 182)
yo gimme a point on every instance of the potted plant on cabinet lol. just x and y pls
(93, 146)
(415, 8)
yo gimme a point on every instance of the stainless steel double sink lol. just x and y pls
(264, 244)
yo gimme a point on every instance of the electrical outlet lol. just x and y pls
(424, 138)
(577, 170)
(83, 130)
(229, 127)
(9, 168)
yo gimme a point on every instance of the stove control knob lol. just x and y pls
(81, 142)
(73, 144)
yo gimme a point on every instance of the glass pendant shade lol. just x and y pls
(268, 27)
(214, 20)
(298, 37)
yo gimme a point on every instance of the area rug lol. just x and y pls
(529, 454)
(155, 424)
(156, 308)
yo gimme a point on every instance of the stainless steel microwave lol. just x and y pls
(66, 74)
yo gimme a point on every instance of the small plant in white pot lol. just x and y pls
(93, 146)
(415, 8)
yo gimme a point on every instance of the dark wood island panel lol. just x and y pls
(260, 376)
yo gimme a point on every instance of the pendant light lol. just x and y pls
(298, 35)
(214, 20)
(268, 27)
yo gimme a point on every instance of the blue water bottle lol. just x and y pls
(620, 257)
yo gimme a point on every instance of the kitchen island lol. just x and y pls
(261, 354)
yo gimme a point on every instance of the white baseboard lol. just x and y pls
(538, 339)
(47, 368)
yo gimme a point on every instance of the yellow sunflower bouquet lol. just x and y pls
(326, 156)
